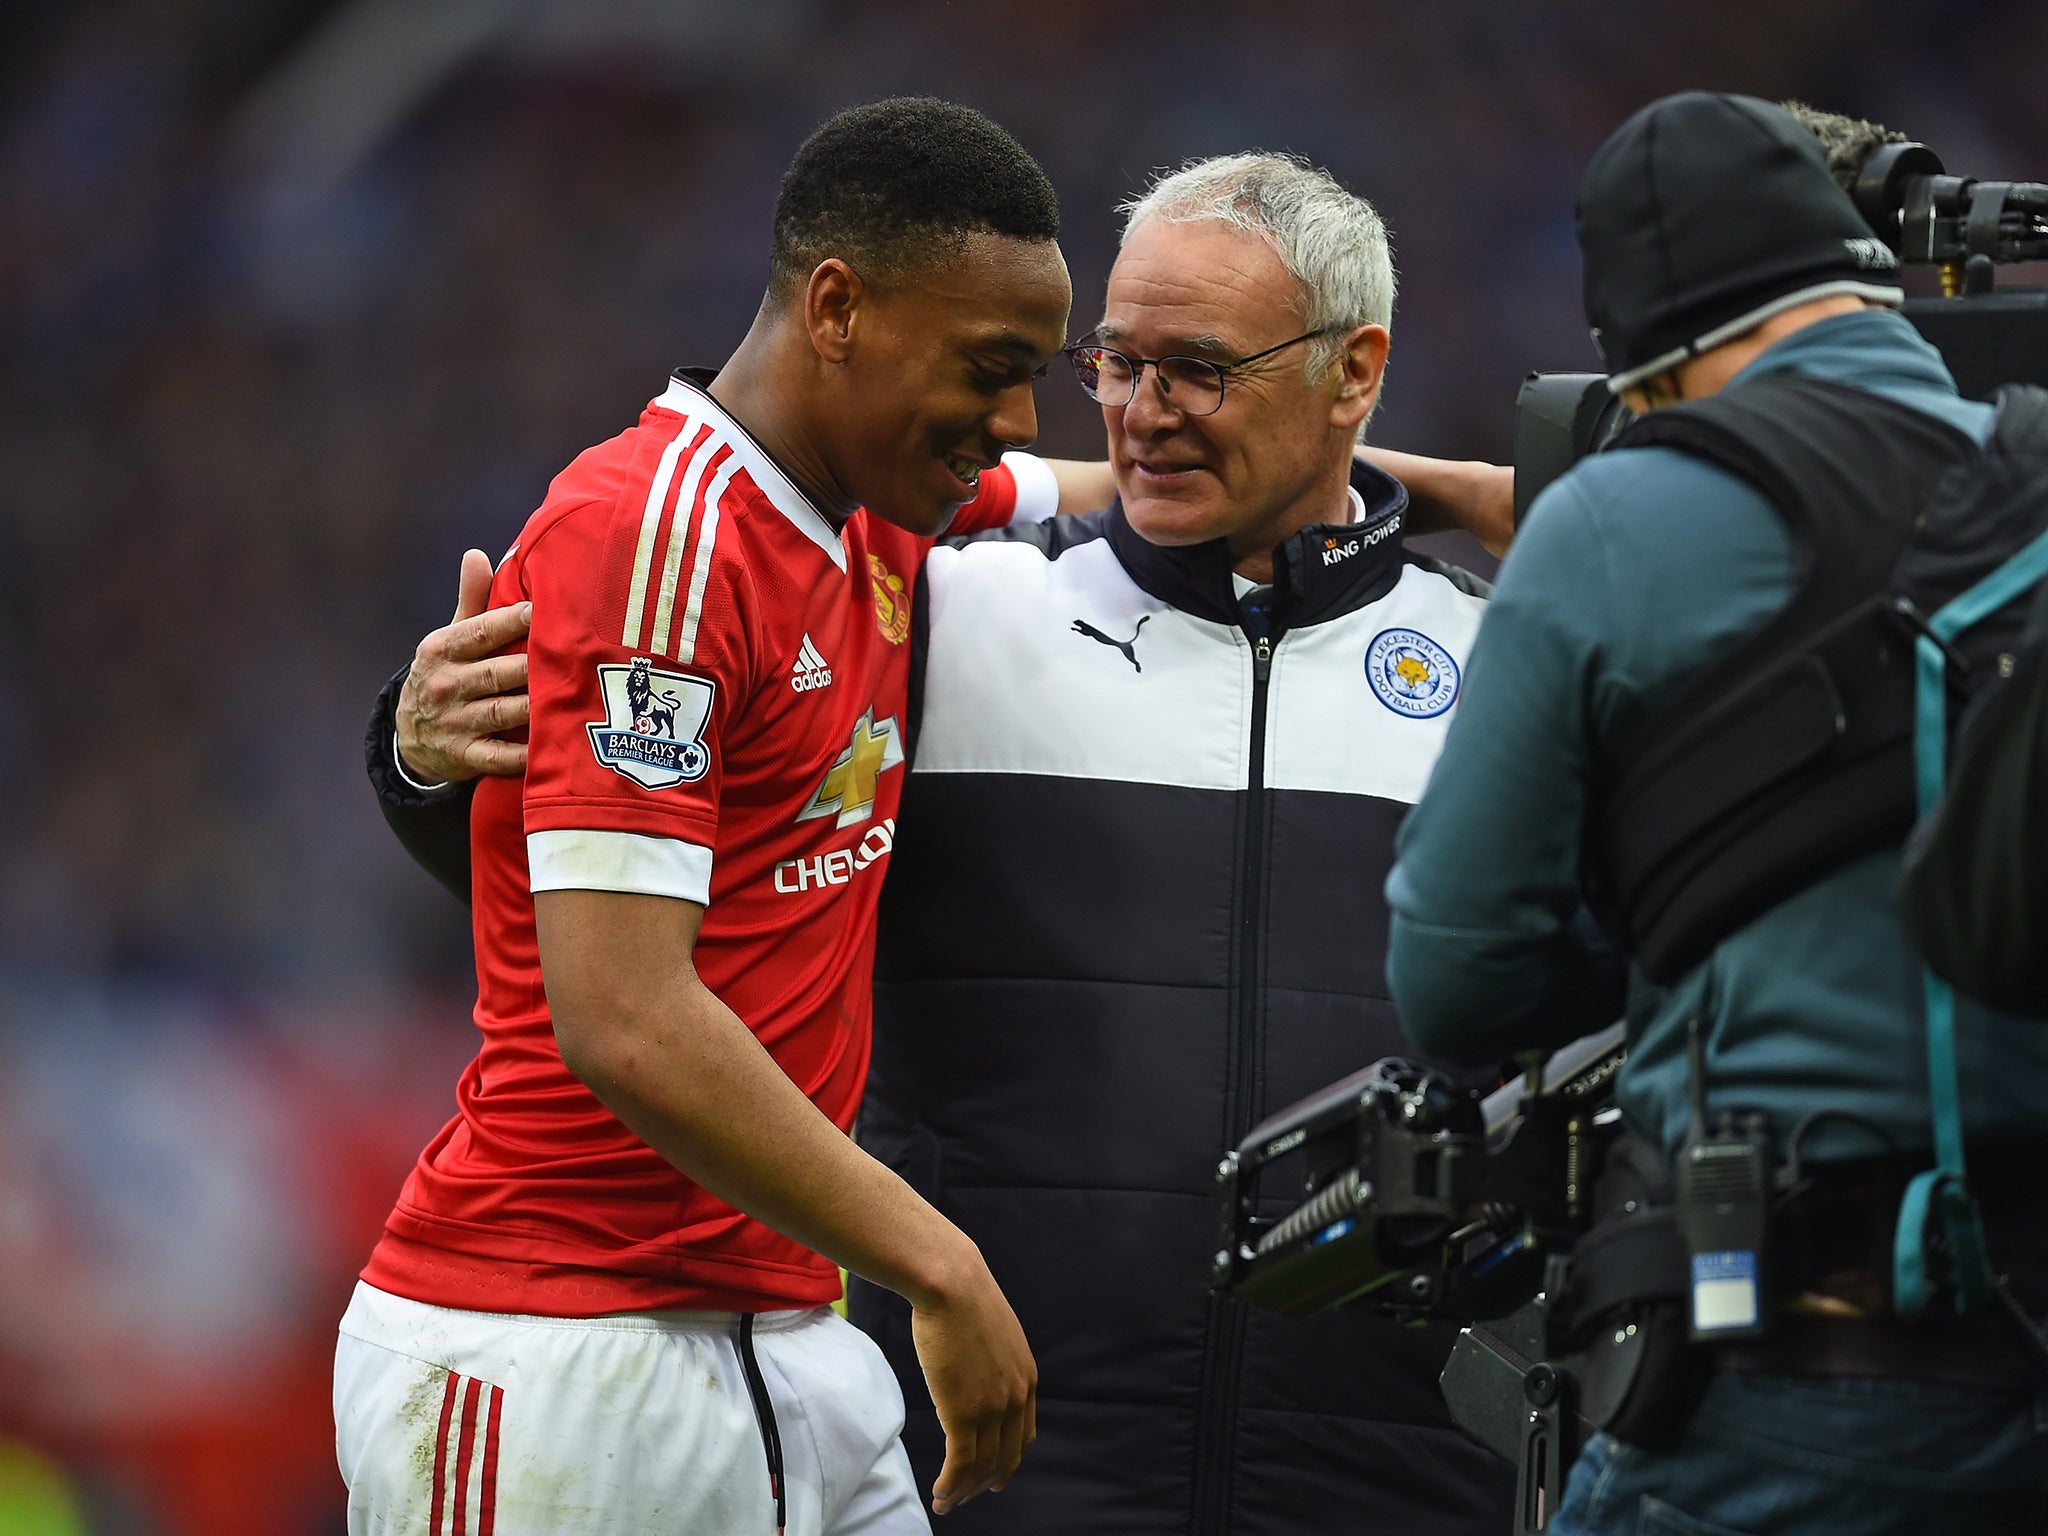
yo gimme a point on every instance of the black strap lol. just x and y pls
(1626, 1260)
(764, 1415)
(1846, 469)
(1791, 753)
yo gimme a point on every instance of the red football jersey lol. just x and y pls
(718, 679)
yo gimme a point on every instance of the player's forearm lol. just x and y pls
(685, 1075)
(1448, 494)
(692, 1082)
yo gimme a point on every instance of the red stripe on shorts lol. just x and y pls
(487, 1502)
(441, 1453)
(464, 1449)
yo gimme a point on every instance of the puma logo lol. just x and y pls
(1128, 647)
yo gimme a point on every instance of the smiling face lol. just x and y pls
(1276, 455)
(934, 376)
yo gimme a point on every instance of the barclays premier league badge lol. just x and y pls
(653, 730)
(1411, 674)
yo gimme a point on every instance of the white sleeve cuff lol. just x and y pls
(618, 861)
(398, 762)
(1038, 492)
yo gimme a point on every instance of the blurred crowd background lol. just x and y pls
(298, 298)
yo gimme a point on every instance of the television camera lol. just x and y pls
(1965, 227)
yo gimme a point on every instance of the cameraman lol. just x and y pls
(1720, 255)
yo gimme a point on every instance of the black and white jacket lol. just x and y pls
(1134, 907)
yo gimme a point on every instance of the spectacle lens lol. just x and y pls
(1193, 384)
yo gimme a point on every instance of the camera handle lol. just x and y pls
(1552, 1433)
(1523, 1408)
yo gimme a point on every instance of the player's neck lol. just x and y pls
(753, 390)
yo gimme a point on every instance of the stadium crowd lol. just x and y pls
(248, 417)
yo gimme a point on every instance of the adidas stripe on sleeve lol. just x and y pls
(630, 686)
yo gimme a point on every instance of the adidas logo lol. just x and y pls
(809, 670)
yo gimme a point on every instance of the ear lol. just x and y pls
(832, 305)
(1361, 362)
(1655, 392)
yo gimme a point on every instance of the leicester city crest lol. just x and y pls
(1411, 673)
(653, 730)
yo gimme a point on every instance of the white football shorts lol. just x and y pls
(451, 1423)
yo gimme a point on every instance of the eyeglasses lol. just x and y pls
(1193, 385)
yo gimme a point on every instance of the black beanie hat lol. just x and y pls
(1702, 217)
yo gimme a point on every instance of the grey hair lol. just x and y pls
(1331, 241)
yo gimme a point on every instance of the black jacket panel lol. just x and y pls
(431, 825)
(1135, 906)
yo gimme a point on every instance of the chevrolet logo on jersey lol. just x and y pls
(849, 788)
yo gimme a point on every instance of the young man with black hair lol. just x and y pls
(601, 1298)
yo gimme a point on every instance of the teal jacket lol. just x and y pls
(1630, 573)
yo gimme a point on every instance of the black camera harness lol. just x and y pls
(1817, 741)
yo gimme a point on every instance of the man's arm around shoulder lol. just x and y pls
(446, 718)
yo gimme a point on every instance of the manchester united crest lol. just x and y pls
(892, 602)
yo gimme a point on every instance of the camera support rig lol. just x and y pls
(1414, 1194)
(1505, 1394)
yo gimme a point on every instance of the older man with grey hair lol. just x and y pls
(1161, 754)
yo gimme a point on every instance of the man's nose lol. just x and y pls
(1014, 422)
(1151, 407)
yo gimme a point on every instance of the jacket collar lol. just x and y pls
(1319, 572)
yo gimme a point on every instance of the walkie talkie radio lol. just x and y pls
(1724, 1183)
